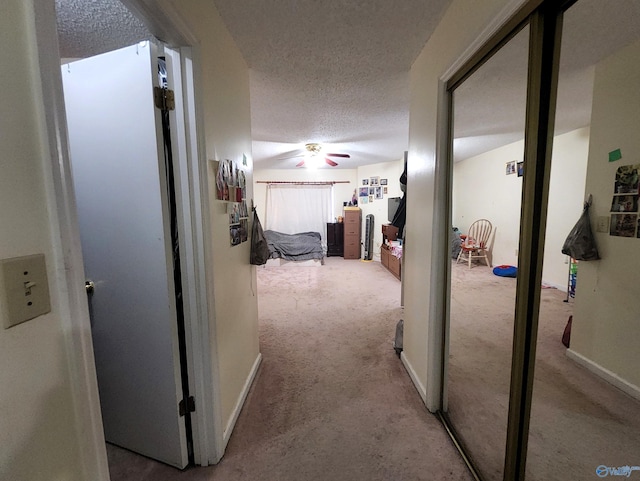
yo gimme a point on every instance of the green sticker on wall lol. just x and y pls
(615, 155)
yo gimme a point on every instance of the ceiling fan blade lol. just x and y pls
(300, 164)
(344, 156)
(330, 162)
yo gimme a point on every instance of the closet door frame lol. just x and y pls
(544, 18)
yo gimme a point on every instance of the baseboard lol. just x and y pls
(241, 399)
(562, 288)
(610, 377)
(414, 377)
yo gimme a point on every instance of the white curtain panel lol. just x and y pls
(292, 209)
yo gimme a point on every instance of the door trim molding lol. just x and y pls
(69, 266)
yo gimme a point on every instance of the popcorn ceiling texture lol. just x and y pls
(87, 28)
(337, 71)
(330, 71)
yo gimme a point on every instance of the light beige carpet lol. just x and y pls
(331, 400)
(578, 420)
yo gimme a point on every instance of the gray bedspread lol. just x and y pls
(294, 247)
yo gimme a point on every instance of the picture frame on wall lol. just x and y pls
(365, 181)
(374, 181)
(520, 169)
(371, 199)
(383, 181)
(511, 167)
(623, 225)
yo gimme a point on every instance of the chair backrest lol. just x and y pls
(480, 231)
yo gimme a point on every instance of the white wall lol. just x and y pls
(463, 22)
(481, 189)
(606, 323)
(341, 192)
(380, 208)
(224, 81)
(43, 431)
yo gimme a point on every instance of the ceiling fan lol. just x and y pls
(313, 152)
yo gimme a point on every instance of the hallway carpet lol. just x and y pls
(331, 400)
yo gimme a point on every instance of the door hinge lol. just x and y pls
(164, 99)
(188, 408)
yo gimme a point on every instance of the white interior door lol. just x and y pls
(115, 142)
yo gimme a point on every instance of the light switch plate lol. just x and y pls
(603, 224)
(24, 289)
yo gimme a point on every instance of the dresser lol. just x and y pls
(387, 257)
(352, 226)
(335, 239)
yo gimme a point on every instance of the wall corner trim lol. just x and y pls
(241, 399)
(609, 376)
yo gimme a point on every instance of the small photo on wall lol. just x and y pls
(384, 191)
(235, 235)
(371, 199)
(624, 203)
(374, 181)
(364, 192)
(364, 200)
(624, 225)
(372, 191)
(520, 169)
(627, 179)
(365, 181)
(379, 193)
(511, 167)
(244, 230)
(383, 181)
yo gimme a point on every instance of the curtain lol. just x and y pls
(292, 209)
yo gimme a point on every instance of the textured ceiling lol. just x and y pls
(92, 27)
(337, 71)
(490, 105)
(330, 71)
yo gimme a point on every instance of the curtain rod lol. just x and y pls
(302, 183)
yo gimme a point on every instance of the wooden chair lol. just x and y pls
(476, 243)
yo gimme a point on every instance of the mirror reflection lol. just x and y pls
(585, 419)
(489, 119)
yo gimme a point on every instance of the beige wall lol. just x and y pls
(380, 208)
(481, 189)
(606, 325)
(224, 81)
(41, 435)
(341, 192)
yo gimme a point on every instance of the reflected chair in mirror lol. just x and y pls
(476, 243)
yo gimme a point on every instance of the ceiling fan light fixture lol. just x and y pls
(313, 148)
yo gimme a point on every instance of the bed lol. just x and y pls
(294, 247)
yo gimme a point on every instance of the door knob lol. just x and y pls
(89, 286)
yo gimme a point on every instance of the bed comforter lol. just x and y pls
(294, 247)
